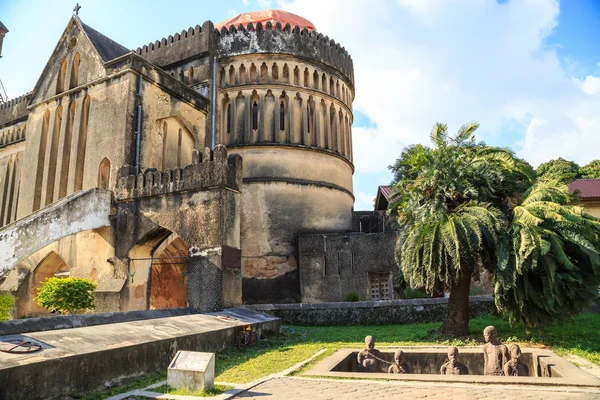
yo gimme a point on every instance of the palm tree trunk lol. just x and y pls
(457, 319)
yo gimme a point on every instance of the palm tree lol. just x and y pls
(463, 206)
(450, 213)
(550, 266)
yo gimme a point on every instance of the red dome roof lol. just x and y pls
(283, 17)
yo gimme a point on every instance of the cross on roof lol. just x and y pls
(77, 8)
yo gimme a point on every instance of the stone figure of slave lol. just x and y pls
(453, 366)
(495, 354)
(515, 367)
(398, 367)
(369, 358)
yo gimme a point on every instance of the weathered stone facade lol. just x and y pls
(182, 224)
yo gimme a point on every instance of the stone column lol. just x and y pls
(205, 280)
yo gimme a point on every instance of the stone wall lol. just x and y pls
(335, 265)
(372, 312)
(16, 326)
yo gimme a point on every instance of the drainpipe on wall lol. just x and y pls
(138, 129)
(214, 101)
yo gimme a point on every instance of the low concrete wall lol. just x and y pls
(51, 323)
(371, 312)
(89, 358)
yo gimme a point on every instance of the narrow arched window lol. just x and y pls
(81, 144)
(75, 71)
(229, 118)
(62, 74)
(190, 76)
(165, 145)
(282, 116)
(104, 174)
(255, 115)
(179, 138)
(308, 119)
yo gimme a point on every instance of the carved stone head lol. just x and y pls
(369, 342)
(515, 353)
(489, 334)
(399, 357)
(453, 354)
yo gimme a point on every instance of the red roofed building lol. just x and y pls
(589, 193)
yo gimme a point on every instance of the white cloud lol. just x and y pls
(591, 85)
(418, 62)
(246, 2)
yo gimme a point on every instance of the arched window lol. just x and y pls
(81, 144)
(252, 73)
(66, 155)
(179, 138)
(275, 72)
(51, 177)
(297, 76)
(37, 197)
(308, 118)
(228, 118)
(254, 115)
(242, 74)
(264, 73)
(222, 76)
(316, 80)
(165, 138)
(231, 76)
(75, 71)
(190, 75)
(331, 87)
(286, 74)
(104, 174)
(306, 77)
(324, 83)
(5, 191)
(282, 116)
(62, 74)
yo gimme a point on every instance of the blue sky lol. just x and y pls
(527, 70)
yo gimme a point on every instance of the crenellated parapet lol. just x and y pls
(14, 109)
(285, 40)
(209, 169)
(178, 47)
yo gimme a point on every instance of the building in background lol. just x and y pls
(195, 170)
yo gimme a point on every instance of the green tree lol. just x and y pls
(6, 303)
(449, 203)
(550, 257)
(591, 170)
(558, 170)
(67, 295)
(464, 206)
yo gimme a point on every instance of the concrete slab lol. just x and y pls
(89, 358)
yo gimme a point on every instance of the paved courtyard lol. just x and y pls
(319, 389)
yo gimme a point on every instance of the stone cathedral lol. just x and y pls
(208, 169)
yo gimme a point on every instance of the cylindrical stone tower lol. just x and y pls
(285, 97)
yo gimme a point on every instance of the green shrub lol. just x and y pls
(352, 297)
(6, 303)
(67, 295)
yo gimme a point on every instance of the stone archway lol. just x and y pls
(168, 281)
(52, 265)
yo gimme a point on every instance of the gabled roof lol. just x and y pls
(588, 188)
(107, 48)
(3, 28)
(384, 193)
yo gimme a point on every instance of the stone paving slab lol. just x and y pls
(320, 389)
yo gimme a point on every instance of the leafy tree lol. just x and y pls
(464, 206)
(449, 213)
(6, 303)
(591, 170)
(67, 295)
(551, 260)
(558, 170)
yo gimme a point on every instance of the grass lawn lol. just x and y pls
(217, 390)
(580, 337)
